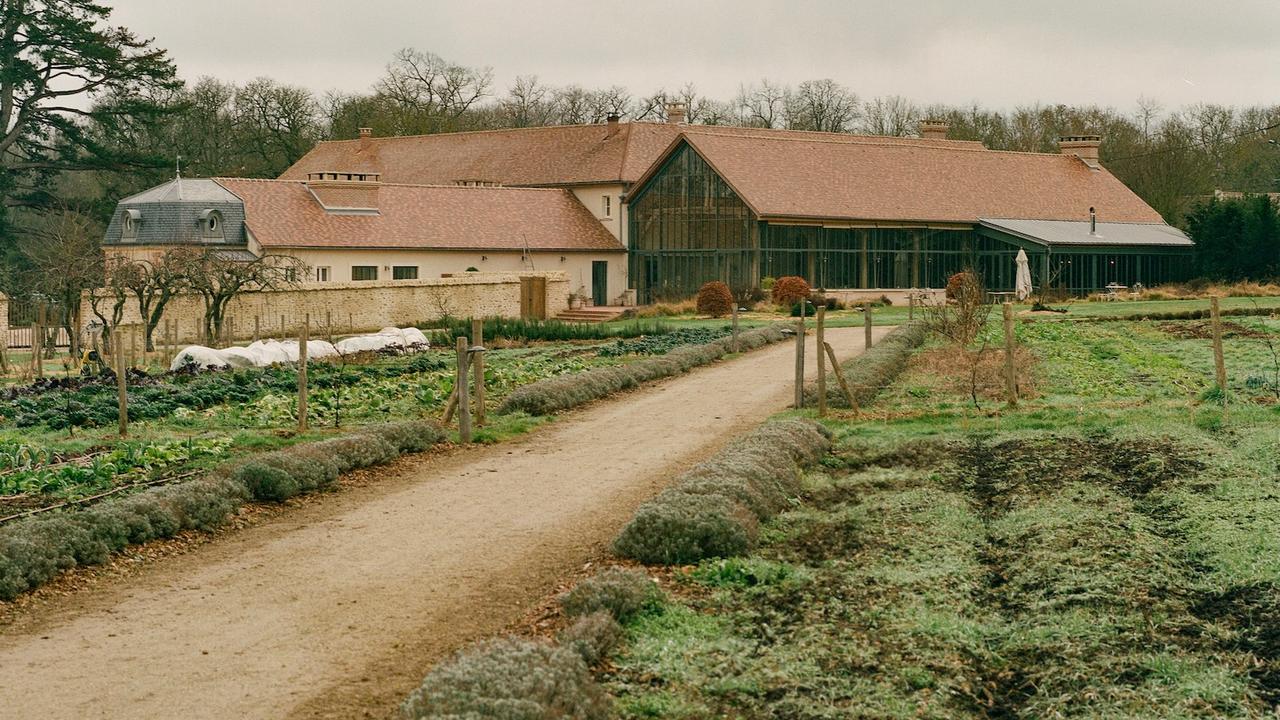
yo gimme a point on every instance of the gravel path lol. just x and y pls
(338, 609)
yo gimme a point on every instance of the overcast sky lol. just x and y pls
(1001, 53)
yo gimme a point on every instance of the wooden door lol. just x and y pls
(600, 282)
(533, 298)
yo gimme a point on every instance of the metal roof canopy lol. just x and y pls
(1053, 233)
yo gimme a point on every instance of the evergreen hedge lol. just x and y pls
(568, 391)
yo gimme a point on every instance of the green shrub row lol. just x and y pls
(446, 330)
(562, 392)
(715, 509)
(34, 550)
(874, 370)
(518, 679)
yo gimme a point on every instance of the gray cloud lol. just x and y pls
(1000, 53)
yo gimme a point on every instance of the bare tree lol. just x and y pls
(439, 92)
(822, 105)
(63, 248)
(279, 121)
(527, 104)
(891, 115)
(153, 283)
(218, 278)
(763, 105)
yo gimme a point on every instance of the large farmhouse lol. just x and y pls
(659, 208)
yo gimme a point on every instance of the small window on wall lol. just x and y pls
(606, 205)
(404, 272)
(364, 272)
(322, 274)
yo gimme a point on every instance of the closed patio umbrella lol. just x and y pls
(1022, 285)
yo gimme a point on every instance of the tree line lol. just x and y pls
(91, 113)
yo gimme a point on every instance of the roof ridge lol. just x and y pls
(871, 140)
(413, 185)
(490, 131)
(1100, 222)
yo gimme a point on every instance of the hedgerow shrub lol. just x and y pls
(714, 299)
(677, 528)
(567, 391)
(34, 550)
(622, 592)
(875, 369)
(510, 679)
(714, 510)
(592, 636)
(790, 290)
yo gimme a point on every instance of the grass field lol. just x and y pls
(1108, 549)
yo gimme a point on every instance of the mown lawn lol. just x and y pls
(1108, 549)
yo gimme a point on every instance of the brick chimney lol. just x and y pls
(346, 193)
(676, 113)
(611, 125)
(1084, 147)
(365, 134)
(934, 129)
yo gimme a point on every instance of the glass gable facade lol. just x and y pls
(687, 226)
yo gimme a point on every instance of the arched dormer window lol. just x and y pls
(211, 224)
(130, 219)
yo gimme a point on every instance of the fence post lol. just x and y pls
(37, 343)
(463, 393)
(1219, 362)
(735, 325)
(477, 367)
(822, 362)
(1010, 367)
(866, 323)
(911, 306)
(844, 384)
(257, 328)
(122, 394)
(328, 325)
(800, 358)
(303, 334)
(4, 352)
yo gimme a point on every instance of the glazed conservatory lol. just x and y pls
(857, 212)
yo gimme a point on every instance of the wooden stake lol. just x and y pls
(37, 343)
(133, 346)
(800, 358)
(283, 335)
(866, 323)
(121, 390)
(1010, 362)
(735, 325)
(303, 336)
(1219, 362)
(822, 363)
(911, 306)
(257, 328)
(328, 325)
(464, 396)
(477, 367)
(844, 384)
(4, 353)
(450, 407)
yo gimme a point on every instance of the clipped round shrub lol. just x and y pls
(409, 436)
(512, 679)
(790, 290)
(592, 636)
(621, 592)
(353, 452)
(267, 482)
(714, 299)
(678, 528)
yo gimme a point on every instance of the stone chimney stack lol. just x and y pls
(611, 123)
(676, 113)
(934, 129)
(1084, 147)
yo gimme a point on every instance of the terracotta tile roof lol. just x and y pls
(557, 155)
(780, 176)
(282, 213)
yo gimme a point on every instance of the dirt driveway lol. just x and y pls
(338, 609)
